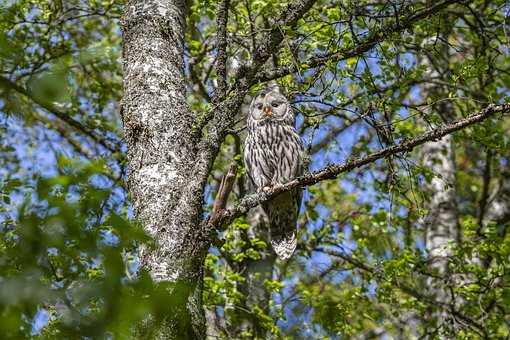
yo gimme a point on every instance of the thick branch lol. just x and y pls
(221, 58)
(226, 185)
(224, 112)
(332, 171)
(361, 47)
(64, 116)
(294, 11)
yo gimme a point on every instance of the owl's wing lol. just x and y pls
(260, 164)
(283, 210)
(290, 157)
(249, 164)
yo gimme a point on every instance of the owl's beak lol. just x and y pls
(267, 111)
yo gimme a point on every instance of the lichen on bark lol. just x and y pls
(161, 155)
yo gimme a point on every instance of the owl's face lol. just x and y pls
(270, 105)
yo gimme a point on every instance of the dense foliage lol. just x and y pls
(68, 242)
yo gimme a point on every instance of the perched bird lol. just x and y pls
(273, 155)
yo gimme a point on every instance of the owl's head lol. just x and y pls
(270, 104)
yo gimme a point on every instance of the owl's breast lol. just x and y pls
(272, 134)
(273, 152)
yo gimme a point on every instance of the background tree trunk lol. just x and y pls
(256, 272)
(498, 209)
(441, 222)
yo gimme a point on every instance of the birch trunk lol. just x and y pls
(441, 223)
(498, 209)
(161, 153)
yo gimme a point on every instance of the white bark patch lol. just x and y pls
(156, 174)
(151, 183)
(160, 271)
(163, 10)
(441, 222)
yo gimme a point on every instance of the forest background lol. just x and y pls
(112, 113)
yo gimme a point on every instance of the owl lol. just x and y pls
(273, 154)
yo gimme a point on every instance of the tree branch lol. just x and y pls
(226, 185)
(332, 171)
(227, 107)
(294, 11)
(64, 116)
(271, 40)
(221, 44)
(363, 46)
(221, 116)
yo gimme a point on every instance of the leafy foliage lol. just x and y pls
(68, 263)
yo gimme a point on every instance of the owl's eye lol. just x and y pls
(275, 104)
(259, 106)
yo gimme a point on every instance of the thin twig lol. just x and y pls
(363, 46)
(64, 116)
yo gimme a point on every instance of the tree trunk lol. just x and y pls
(255, 273)
(161, 153)
(498, 209)
(441, 223)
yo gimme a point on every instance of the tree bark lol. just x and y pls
(161, 153)
(255, 273)
(498, 209)
(441, 223)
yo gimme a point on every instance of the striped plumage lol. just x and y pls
(273, 154)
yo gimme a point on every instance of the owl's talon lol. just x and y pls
(277, 186)
(268, 188)
(263, 189)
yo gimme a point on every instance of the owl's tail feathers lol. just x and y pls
(284, 245)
